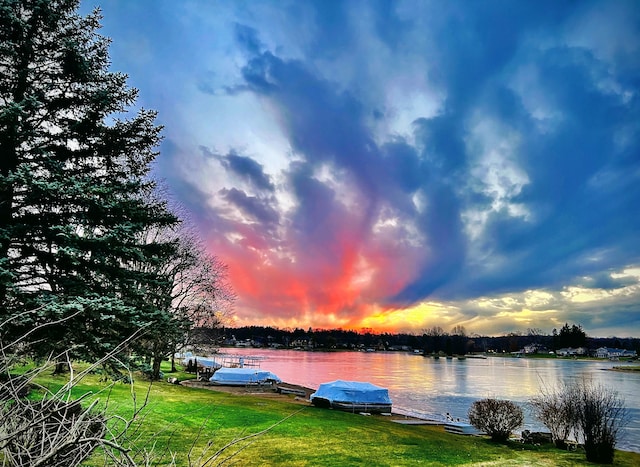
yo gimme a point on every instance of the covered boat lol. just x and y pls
(205, 362)
(352, 396)
(243, 377)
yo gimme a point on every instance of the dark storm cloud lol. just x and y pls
(244, 167)
(167, 168)
(414, 151)
(247, 37)
(606, 281)
(570, 218)
(252, 206)
(574, 217)
(446, 249)
(327, 125)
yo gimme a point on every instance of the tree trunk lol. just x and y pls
(61, 368)
(155, 368)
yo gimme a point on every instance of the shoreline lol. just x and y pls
(271, 392)
(633, 369)
(293, 393)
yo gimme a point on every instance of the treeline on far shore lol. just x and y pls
(433, 340)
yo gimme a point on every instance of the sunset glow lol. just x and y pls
(363, 166)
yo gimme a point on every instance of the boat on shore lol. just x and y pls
(352, 396)
(243, 377)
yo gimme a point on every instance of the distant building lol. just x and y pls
(571, 352)
(534, 348)
(607, 352)
(301, 343)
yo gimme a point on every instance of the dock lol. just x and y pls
(416, 421)
(289, 390)
(460, 428)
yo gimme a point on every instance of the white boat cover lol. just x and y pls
(206, 362)
(242, 376)
(352, 392)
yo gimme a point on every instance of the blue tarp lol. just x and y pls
(353, 392)
(202, 362)
(242, 376)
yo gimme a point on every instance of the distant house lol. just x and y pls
(571, 352)
(534, 348)
(607, 352)
(301, 343)
(403, 348)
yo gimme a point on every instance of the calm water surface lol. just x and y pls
(431, 388)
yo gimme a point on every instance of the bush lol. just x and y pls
(594, 414)
(557, 412)
(49, 432)
(600, 415)
(497, 418)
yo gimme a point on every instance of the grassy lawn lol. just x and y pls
(178, 420)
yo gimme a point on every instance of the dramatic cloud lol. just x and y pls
(402, 165)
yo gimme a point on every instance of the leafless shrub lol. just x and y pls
(497, 418)
(600, 415)
(57, 428)
(556, 410)
(49, 432)
(594, 414)
(62, 428)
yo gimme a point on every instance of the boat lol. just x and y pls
(220, 360)
(243, 377)
(202, 362)
(352, 396)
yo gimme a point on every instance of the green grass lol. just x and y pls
(178, 419)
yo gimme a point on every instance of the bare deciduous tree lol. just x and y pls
(197, 294)
(435, 331)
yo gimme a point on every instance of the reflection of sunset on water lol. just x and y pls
(430, 388)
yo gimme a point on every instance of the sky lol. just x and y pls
(400, 165)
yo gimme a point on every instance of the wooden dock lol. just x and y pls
(460, 428)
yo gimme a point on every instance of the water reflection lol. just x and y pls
(431, 388)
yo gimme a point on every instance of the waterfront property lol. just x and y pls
(352, 396)
(243, 377)
(429, 388)
(607, 352)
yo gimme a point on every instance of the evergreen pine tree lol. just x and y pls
(74, 192)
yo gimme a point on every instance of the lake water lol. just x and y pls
(431, 388)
